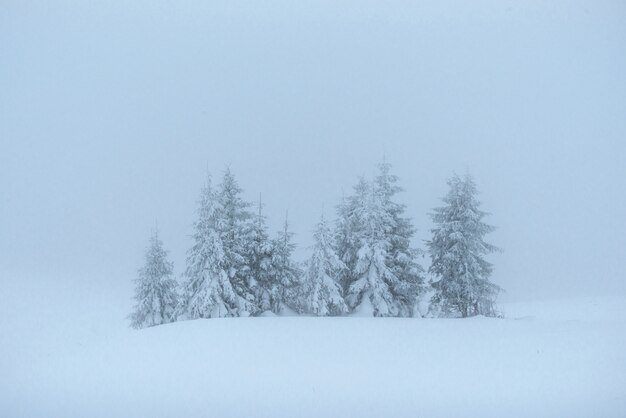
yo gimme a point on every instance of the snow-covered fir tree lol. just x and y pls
(208, 291)
(322, 293)
(373, 239)
(258, 258)
(285, 273)
(371, 292)
(457, 250)
(348, 231)
(155, 290)
(235, 228)
(401, 257)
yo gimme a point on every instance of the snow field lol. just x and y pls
(548, 359)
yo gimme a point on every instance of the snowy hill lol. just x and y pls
(549, 359)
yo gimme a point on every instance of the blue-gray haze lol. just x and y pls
(111, 112)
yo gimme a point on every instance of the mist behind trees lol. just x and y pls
(110, 115)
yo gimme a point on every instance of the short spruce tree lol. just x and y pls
(155, 290)
(258, 251)
(285, 273)
(322, 294)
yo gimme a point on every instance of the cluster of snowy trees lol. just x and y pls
(362, 264)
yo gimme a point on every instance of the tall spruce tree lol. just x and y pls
(235, 226)
(401, 257)
(371, 292)
(322, 295)
(457, 250)
(208, 291)
(155, 291)
(373, 239)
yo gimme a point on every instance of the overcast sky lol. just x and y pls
(111, 111)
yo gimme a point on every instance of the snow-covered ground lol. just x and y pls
(71, 354)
